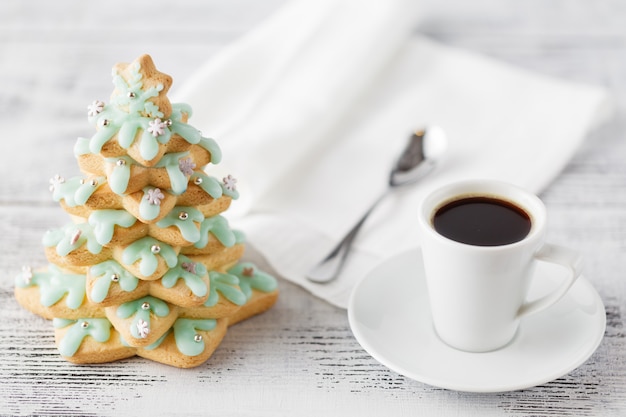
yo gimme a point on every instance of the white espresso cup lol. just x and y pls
(478, 293)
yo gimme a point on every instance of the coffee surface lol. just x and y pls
(482, 221)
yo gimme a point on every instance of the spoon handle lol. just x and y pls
(328, 269)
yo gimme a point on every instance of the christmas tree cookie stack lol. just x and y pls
(148, 266)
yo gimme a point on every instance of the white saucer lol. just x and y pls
(390, 317)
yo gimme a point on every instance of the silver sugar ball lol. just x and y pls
(168, 122)
(132, 94)
(120, 162)
(84, 325)
(93, 183)
(145, 306)
(105, 122)
(155, 249)
(197, 181)
(197, 338)
(115, 277)
(183, 215)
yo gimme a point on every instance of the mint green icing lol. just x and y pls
(187, 132)
(127, 125)
(149, 145)
(72, 237)
(234, 194)
(185, 336)
(140, 250)
(103, 273)
(81, 147)
(104, 222)
(120, 175)
(185, 331)
(128, 118)
(186, 226)
(65, 189)
(231, 192)
(240, 237)
(86, 190)
(227, 285)
(129, 115)
(218, 227)
(190, 272)
(125, 116)
(75, 191)
(97, 328)
(190, 133)
(250, 277)
(178, 180)
(104, 134)
(179, 108)
(128, 131)
(213, 148)
(148, 210)
(141, 315)
(53, 285)
(134, 85)
(209, 185)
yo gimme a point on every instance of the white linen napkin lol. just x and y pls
(312, 108)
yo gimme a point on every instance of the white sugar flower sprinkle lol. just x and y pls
(154, 196)
(230, 183)
(56, 181)
(186, 166)
(143, 328)
(157, 127)
(95, 108)
(27, 274)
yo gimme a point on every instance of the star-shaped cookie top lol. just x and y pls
(139, 86)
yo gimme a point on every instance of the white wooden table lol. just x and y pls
(300, 358)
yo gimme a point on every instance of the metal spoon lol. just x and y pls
(420, 156)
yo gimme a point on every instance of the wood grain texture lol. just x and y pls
(300, 358)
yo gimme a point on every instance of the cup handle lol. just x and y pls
(566, 257)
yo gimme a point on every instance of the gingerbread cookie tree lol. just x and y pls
(147, 266)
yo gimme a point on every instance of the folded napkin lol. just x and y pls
(312, 108)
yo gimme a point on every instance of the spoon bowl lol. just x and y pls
(421, 154)
(419, 157)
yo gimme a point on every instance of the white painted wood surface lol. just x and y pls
(300, 358)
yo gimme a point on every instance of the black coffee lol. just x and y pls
(482, 221)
